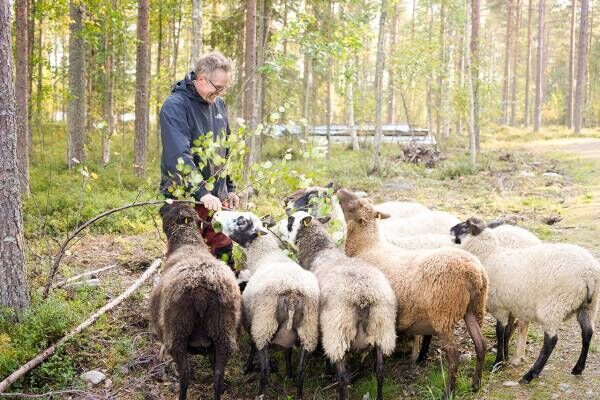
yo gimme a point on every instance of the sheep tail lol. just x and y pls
(291, 311)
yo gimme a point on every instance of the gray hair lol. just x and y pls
(211, 62)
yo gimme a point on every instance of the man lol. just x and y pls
(192, 109)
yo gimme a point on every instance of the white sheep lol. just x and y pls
(357, 304)
(280, 303)
(401, 209)
(546, 283)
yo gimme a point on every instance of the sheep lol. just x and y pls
(196, 305)
(409, 219)
(514, 237)
(401, 209)
(546, 283)
(280, 304)
(357, 304)
(434, 288)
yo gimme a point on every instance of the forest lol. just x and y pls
(435, 123)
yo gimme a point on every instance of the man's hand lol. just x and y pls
(233, 200)
(211, 202)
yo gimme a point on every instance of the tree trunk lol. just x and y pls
(177, 34)
(474, 65)
(109, 115)
(570, 87)
(581, 66)
(39, 80)
(307, 94)
(428, 89)
(539, 69)
(350, 99)
(442, 112)
(513, 97)
(507, 53)
(378, 85)
(196, 32)
(393, 40)
(30, 39)
(158, 74)
(329, 100)
(13, 286)
(528, 65)
(22, 92)
(76, 109)
(249, 84)
(470, 75)
(141, 86)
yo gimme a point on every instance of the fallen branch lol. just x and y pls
(61, 251)
(50, 350)
(88, 273)
(48, 394)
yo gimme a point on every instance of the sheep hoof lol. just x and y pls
(577, 371)
(528, 377)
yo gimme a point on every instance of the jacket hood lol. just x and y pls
(186, 87)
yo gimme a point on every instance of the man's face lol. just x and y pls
(213, 85)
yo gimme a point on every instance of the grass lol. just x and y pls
(62, 198)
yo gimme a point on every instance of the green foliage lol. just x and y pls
(41, 325)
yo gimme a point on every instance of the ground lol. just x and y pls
(510, 182)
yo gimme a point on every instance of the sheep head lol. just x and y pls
(358, 209)
(289, 228)
(241, 227)
(177, 216)
(307, 199)
(472, 226)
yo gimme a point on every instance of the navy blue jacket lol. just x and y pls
(184, 116)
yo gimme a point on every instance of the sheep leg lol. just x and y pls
(183, 369)
(288, 363)
(304, 356)
(522, 328)
(220, 359)
(263, 356)
(452, 356)
(424, 350)
(249, 367)
(475, 332)
(538, 366)
(416, 345)
(510, 328)
(500, 335)
(342, 379)
(587, 330)
(379, 371)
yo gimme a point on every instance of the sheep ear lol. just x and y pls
(262, 231)
(306, 220)
(324, 220)
(381, 215)
(268, 221)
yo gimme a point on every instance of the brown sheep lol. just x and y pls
(434, 288)
(196, 306)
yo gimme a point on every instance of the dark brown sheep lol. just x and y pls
(196, 306)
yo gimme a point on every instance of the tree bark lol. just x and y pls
(571, 85)
(378, 85)
(515, 65)
(507, 54)
(177, 34)
(528, 65)
(393, 41)
(76, 108)
(328, 99)
(13, 286)
(158, 74)
(581, 67)
(307, 94)
(350, 100)
(474, 65)
(141, 92)
(249, 85)
(470, 74)
(109, 115)
(196, 32)
(22, 92)
(539, 69)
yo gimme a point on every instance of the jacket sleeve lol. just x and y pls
(176, 139)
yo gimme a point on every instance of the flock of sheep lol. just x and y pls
(398, 272)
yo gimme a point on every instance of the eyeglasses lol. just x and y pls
(219, 89)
